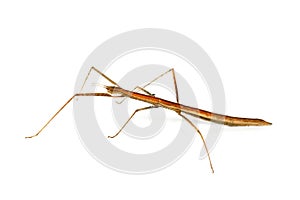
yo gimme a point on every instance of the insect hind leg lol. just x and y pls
(202, 138)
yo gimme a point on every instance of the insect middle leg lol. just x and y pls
(174, 81)
(161, 75)
(137, 110)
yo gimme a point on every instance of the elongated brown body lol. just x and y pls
(196, 112)
(117, 91)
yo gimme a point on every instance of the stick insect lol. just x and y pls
(117, 91)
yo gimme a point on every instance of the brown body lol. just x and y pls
(196, 112)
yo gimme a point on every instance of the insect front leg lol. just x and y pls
(137, 110)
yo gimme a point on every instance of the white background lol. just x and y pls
(255, 47)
